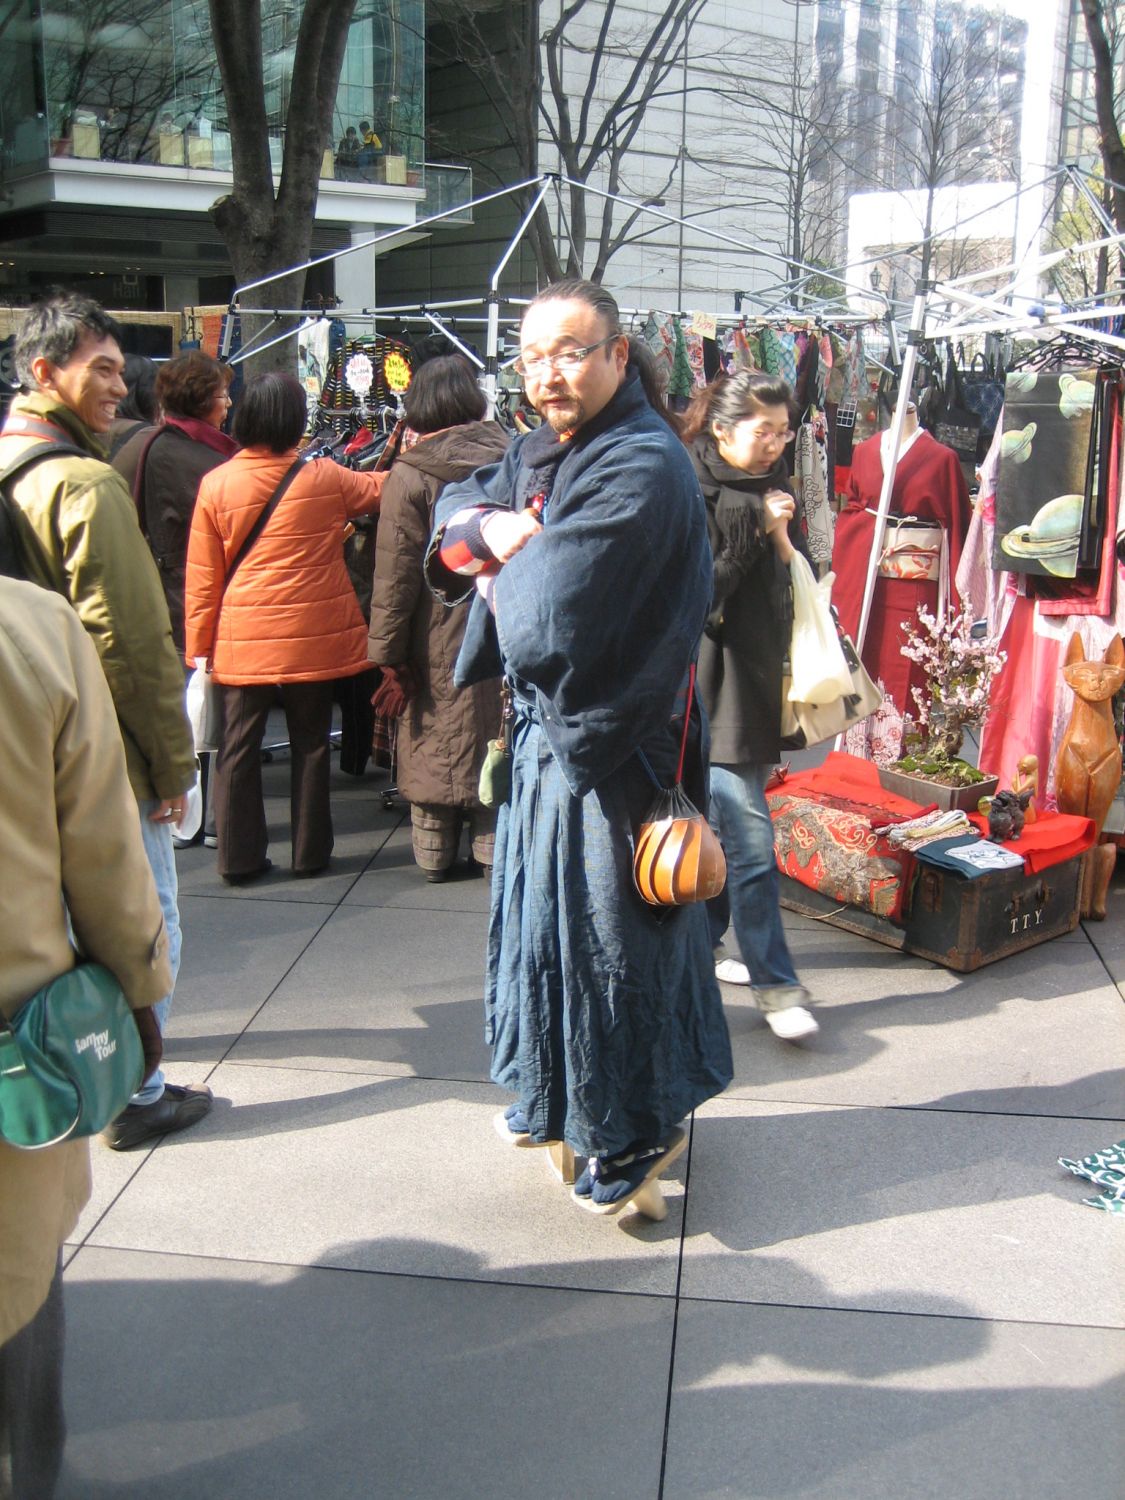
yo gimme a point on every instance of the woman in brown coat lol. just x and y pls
(415, 639)
(164, 465)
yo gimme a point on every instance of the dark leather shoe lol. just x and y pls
(141, 1124)
(244, 877)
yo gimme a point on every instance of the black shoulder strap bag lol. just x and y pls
(262, 520)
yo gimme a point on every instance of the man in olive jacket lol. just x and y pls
(77, 533)
(68, 832)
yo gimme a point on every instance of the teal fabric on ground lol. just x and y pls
(1106, 1169)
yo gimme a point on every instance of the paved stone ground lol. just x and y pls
(874, 1283)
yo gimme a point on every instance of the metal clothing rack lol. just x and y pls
(991, 312)
(993, 316)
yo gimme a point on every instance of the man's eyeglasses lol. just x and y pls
(565, 359)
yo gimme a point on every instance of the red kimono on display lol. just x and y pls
(928, 485)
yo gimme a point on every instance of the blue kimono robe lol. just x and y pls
(602, 1013)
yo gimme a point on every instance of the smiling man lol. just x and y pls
(587, 545)
(78, 534)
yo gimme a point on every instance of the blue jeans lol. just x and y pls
(157, 838)
(741, 818)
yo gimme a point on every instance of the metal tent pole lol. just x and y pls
(492, 338)
(914, 337)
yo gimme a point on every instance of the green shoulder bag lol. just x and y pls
(70, 1059)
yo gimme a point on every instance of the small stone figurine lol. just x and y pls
(1026, 779)
(1006, 815)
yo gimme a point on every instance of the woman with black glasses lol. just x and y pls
(737, 429)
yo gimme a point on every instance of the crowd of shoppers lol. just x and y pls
(591, 567)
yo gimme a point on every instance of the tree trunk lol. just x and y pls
(1113, 149)
(267, 232)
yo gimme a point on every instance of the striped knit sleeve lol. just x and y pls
(462, 548)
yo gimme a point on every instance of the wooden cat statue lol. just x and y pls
(1088, 768)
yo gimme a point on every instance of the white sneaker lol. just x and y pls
(730, 971)
(792, 1024)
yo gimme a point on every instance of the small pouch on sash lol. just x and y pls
(495, 785)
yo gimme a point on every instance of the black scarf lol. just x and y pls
(737, 497)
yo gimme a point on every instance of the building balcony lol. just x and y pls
(185, 172)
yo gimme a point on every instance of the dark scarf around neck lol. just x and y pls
(203, 432)
(738, 496)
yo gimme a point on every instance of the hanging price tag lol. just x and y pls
(359, 372)
(704, 324)
(396, 372)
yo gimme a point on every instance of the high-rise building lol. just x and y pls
(788, 131)
(933, 101)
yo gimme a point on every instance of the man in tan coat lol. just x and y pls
(68, 832)
(77, 533)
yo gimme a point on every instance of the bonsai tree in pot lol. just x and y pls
(959, 674)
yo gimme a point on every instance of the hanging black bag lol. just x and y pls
(957, 427)
(984, 394)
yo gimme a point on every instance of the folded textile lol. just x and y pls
(857, 780)
(1051, 839)
(982, 857)
(917, 832)
(967, 855)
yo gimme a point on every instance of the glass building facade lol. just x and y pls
(136, 81)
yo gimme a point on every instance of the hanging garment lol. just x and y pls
(660, 336)
(855, 369)
(788, 344)
(1091, 591)
(1044, 457)
(811, 477)
(312, 365)
(975, 579)
(1030, 701)
(693, 345)
(740, 356)
(824, 368)
(773, 358)
(805, 388)
(681, 381)
(877, 738)
(837, 389)
(339, 405)
(928, 485)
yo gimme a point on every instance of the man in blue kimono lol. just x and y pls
(587, 546)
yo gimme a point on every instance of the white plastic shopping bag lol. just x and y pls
(192, 820)
(818, 667)
(202, 707)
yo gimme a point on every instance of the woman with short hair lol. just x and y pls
(278, 617)
(737, 429)
(164, 465)
(444, 731)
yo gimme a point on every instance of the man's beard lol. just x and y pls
(565, 415)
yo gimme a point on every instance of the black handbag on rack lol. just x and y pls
(957, 426)
(984, 394)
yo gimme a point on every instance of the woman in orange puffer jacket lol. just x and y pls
(286, 622)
